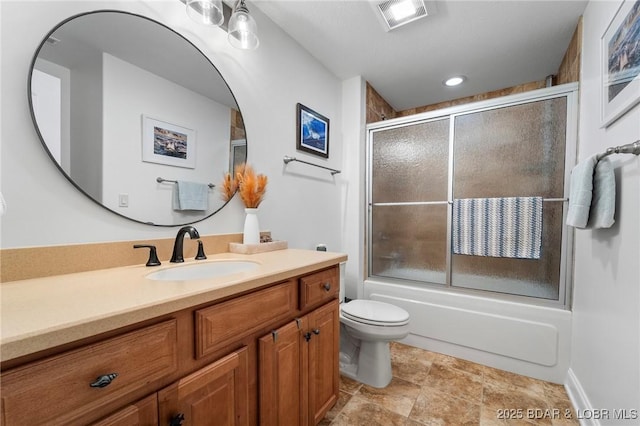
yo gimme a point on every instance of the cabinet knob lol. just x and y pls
(316, 331)
(103, 381)
(307, 336)
(176, 420)
(327, 286)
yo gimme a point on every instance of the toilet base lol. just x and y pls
(373, 365)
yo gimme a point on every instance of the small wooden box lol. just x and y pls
(257, 248)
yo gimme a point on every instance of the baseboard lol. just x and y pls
(579, 400)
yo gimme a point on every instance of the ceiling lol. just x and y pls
(495, 44)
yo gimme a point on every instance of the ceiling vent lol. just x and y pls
(396, 13)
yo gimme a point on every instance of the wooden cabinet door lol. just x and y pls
(299, 370)
(216, 395)
(283, 382)
(324, 350)
(141, 413)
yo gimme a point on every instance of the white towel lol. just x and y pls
(603, 201)
(580, 192)
(592, 194)
(190, 196)
(498, 227)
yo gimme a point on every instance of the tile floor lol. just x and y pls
(434, 389)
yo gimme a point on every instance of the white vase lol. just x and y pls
(251, 228)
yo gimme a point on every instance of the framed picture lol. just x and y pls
(312, 132)
(620, 51)
(169, 144)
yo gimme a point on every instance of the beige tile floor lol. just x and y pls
(434, 389)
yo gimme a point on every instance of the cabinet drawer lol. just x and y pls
(319, 287)
(57, 390)
(222, 324)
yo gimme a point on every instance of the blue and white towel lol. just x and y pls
(498, 227)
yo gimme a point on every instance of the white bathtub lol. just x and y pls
(526, 339)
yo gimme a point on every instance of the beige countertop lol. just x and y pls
(42, 313)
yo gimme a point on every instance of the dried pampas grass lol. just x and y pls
(251, 187)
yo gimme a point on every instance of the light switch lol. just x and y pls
(123, 200)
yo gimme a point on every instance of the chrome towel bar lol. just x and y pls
(630, 148)
(288, 159)
(161, 180)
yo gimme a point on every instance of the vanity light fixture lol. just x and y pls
(454, 81)
(240, 25)
(243, 32)
(207, 12)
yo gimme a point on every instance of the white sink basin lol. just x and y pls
(202, 271)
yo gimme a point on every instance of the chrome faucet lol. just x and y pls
(178, 256)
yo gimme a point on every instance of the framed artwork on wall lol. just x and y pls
(312, 131)
(620, 52)
(168, 144)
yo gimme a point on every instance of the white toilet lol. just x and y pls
(366, 328)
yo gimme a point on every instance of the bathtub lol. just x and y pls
(522, 338)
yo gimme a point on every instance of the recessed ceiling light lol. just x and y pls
(454, 81)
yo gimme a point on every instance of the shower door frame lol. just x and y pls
(570, 92)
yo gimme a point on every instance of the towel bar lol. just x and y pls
(288, 159)
(161, 180)
(630, 148)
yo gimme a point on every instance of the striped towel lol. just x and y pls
(498, 227)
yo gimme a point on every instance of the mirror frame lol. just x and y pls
(44, 144)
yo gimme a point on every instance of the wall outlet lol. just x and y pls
(123, 200)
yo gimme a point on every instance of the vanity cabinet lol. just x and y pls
(70, 388)
(266, 356)
(141, 413)
(298, 371)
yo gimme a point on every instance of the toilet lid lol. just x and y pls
(375, 313)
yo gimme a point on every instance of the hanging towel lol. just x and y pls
(190, 196)
(580, 192)
(498, 227)
(592, 194)
(603, 201)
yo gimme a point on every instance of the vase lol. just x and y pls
(251, 233)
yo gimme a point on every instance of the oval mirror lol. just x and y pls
(136, 117)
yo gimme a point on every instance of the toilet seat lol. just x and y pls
(376, 313)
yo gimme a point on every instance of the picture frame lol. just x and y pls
(167, 143)
(312, 131)
(620, 53)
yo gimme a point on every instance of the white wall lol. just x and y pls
(302, 204)
(605, 365)
(353, 196)
(129, 93)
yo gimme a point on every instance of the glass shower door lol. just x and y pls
(408, 201)
(429, 175)
(513, 151)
